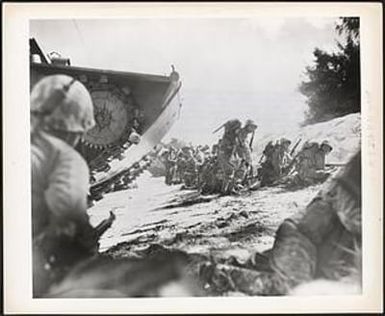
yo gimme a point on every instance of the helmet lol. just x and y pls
(134, 138)
(251, 123)
(308, 145)
(285, 141)
(326, 143)
(63, 104)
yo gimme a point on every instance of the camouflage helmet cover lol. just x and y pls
(63, 103)
(134, 138)
(327, 144)
(251, 123)
(285, 141)
(309, 144)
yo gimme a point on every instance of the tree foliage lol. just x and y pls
(332, 86)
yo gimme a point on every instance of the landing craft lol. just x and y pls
(124, 102)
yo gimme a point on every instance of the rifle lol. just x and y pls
(295, 147)
(219, 128)
(338, 164)
(105, 224)
(289, 167)
(251, 141)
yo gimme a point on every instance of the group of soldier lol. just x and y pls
(223, 168)
(281, 165)
(227, 167)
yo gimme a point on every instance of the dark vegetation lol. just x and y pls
(332, 87)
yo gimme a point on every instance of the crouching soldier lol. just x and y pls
(311, 163)
(320, 155)
(61, 112)
(266, 172)
(277, 162)
(285, 158)
(322, 242)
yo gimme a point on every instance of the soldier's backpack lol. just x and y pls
(232, 125)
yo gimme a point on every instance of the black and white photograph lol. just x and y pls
(202, 155)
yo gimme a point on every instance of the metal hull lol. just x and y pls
(152, 137)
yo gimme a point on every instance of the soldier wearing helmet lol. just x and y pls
(285, 158)
(285, 142)
(320, 155)
(250, 125)
(244, 144)
(134, 137)
(311, 162)
(61, 112)
(170, 160)
(226, 150)
(191, 169)
(280, 157)
(266, 172)
(243, 137)
(325, 146)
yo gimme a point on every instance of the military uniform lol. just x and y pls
(241, 175)
(270, 169)
(226, 151)
(190, 171)
(209, 181)
(311, 164)
(180, 166)
(244, 146)
(61, 111)
(280, 157)
(59, 181)
(201, 158)
(320, 155)
(170, 167)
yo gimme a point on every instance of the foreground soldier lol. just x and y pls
(61, 111)
(323, 242)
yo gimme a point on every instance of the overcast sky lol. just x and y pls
(229, 67)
